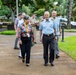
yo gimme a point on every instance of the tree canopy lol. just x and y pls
(38, 6)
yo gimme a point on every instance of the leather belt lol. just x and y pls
(48, 34)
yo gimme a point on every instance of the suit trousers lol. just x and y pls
(48, 42)
(34, 32)
(56, 45)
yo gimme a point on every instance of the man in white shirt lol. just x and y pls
(21, 22)
(15, 27)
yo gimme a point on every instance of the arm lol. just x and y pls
(15, 27)
(19, 35)
(55, 34)
(54, 31)
(60, 30)
(15, 23)
(40, 28)
(31, 32)
(19, 32)
(54, 26)
(40, 35)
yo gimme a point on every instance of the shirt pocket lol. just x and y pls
(57, 23)
(51, 25)
(44, 26)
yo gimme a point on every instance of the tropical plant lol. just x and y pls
(69, 12)
(40, 12)
(5, 11)
(26, 9)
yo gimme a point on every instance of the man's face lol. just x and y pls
(33, 16)
(46, 16)
(23, 15)
(20, 17)
(54, 14)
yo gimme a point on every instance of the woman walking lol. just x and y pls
(25, 40)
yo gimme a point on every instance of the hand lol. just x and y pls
(40, 40)
(60, 34)
(16, 35)
(20, 42)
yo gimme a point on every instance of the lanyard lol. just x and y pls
(26, 27)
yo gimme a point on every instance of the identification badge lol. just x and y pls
(28, 34)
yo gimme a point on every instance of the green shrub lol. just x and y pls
(5, 11)
(8, 32)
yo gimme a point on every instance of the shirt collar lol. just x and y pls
(53, 18)
(47, 20)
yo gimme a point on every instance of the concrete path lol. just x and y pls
(66, 34)
(10, 64)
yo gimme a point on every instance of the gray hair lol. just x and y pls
(54, 11)
(47, 12)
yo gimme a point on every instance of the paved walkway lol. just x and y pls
(66, 34)
(10, 64)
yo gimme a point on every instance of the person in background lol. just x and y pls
(47, 31)
(21, 22)
(41, 18)
(24, 34)
(33, 23)
(58, 31)
(15, 27)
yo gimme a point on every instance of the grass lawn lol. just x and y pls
(70, 30)
(69, 46)
(8, 32)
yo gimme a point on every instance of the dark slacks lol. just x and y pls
(26, 48)
(16, 42)
(48, 41)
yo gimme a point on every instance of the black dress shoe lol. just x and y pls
(46, 64)
(57, 56)
(16, 48)
(52, 64)
(35, 42)
(19, 56)
(27, 64)
(23, 60)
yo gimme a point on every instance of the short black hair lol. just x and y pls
(19, 14)
(26, 18)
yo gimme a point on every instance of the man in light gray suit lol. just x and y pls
(58, 31)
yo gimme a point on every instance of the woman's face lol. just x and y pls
(27, 21)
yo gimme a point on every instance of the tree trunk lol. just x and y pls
(69, 13)
(12, 14)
